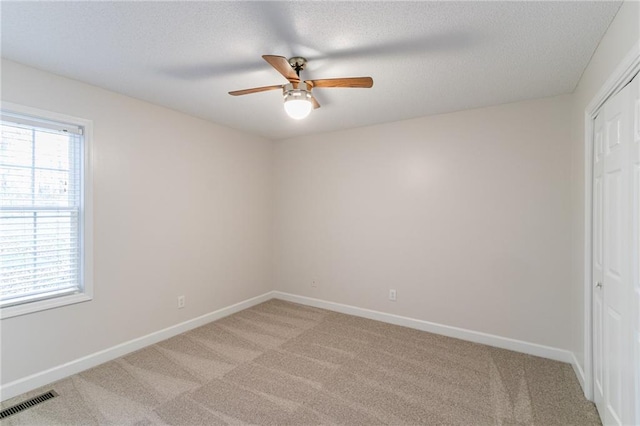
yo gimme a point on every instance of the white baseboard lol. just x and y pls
(445, 330)
(577, 368)
(43, 378)
(51, 375)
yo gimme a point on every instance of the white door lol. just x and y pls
(635, 242)
(612, 261)
(597, 261)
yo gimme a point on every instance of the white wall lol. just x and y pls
(622, 35)
(182, 207)
(466, 215)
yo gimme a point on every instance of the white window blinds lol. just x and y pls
(40, 209)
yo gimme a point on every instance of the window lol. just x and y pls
(45, 214)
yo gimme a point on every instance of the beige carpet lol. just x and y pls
(280, 363)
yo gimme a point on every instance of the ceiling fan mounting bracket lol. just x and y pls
(298, 64)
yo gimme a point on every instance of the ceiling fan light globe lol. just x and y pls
(297, 108)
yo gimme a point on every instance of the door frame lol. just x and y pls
(623, 74)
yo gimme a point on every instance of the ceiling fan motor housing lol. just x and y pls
(290, 93)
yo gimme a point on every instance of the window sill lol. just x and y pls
(43, 305)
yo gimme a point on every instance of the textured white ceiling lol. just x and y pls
(425, 57)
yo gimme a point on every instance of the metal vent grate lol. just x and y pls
(27, 404)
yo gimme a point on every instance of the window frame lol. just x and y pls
(86, 214)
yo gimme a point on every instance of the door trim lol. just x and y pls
(623, 74)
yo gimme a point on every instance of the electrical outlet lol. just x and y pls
(181, 302)
(392, 295)
(314, 283)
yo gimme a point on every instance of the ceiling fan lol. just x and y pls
(298, 99)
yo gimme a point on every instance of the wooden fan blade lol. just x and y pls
(254, 90)
(363, 82)
(315, 103)
(281, 64)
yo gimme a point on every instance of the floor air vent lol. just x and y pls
(27, 404)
